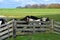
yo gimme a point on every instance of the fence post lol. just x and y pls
(14, 29)
(52, 25)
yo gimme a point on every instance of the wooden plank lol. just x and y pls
(24, 29)
(20, 21)
(56, 26)
(56, 29)
(32, 25)
(6, 36)
(6, 23)
(56, 22)
(32, 21)
(42, 29)
(56, 32)
(6, 27)
(2, 33)
(38, 22)
(32, 29)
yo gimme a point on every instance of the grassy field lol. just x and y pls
(41, 36)
(24, 12)
(20, 13)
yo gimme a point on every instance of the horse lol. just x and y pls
(44, 19)
(30, 18)
(33, 18)
(2, 21)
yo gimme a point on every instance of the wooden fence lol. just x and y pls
(6, 30)
(30, 28)
(14, 28)
(56, 27)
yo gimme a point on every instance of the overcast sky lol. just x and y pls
(15, 3)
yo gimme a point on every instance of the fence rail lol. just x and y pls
(6, 30)
(13, 28)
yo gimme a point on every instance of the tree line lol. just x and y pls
(40, 6)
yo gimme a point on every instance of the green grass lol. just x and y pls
(20, 13)
(24, 12)
(41, 36)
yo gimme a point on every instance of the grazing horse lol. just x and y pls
(30, 18)
(33, 18)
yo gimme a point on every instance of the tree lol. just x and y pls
(35, 6)
(53, 6)
(40, 6)
(43, 6)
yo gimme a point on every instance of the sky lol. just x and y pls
(15, 3)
